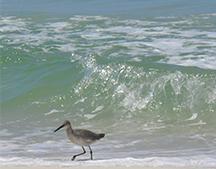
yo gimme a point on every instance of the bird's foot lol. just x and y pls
(73, 158)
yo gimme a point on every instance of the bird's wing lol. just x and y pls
(85, 134)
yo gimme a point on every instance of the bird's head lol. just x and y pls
(65, 124)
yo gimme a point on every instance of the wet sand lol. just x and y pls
(97, 167)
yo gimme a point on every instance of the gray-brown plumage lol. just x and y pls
(81, 137)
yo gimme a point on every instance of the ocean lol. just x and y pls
(143, 72)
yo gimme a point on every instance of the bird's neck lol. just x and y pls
(69, 129)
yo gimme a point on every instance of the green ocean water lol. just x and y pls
(149, 84)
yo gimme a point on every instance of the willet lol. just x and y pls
(81, 137)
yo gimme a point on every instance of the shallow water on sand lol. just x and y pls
(147, 82)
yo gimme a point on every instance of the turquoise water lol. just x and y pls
(147, 79)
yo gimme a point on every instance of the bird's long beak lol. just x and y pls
(59, 127)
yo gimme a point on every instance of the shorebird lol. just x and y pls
(80, 137)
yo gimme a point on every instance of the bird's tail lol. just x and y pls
(101, 135)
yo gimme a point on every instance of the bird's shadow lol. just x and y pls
(87, 159)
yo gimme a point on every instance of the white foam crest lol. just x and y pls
(87, 18)
(133, 101)
(53, 111)
(204, 61)
(169, 46)
(32, 39)
(124, 29)
(11, 28)
(96, 34)
(180, 52)
(132, 97)
(90, 116)
(58, 27)
(193, 117)
(99, 108)
(12, 24)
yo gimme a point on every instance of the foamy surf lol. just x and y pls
(174, 39)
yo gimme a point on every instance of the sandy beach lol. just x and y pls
(97, 167)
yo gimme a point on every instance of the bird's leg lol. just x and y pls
(79, 154)
(90, 152)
